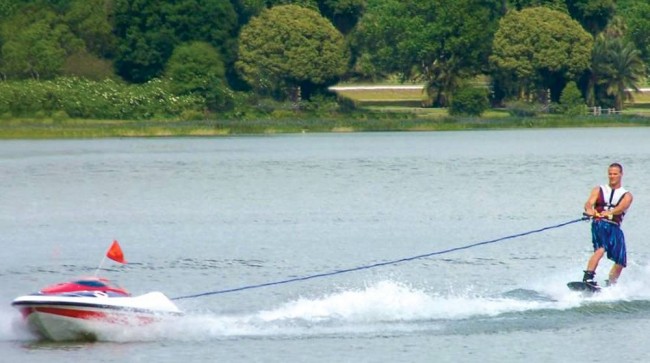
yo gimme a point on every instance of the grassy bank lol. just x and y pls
(410, 98)
(382, 109)
(72, 128)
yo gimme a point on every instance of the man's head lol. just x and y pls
(615, 173)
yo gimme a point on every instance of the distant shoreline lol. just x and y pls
(379, 111)
(31, 129)
(409, 87)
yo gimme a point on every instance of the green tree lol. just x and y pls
(311, 4)
(148, 31)
(8, 8)
(539, 49)
(637, 19)
(196, 68)
(90, 21)
(211, 21)
(344, 14)
(36, 44)
(617, 68)
(144, 40)
(442, 41)
(559, 5)
(86, 65)
(571, 101)
(594, 15)
(246, 9)
(470, 101)
(289, 50)
(600, 59)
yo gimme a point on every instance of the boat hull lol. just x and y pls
(64, 318)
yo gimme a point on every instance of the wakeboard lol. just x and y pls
(582, 286)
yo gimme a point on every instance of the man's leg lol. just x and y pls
(588, 277)
(595, 258)
(614, 273)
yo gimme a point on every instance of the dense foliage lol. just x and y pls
(470, 101)
(571, 101)
(539, 49)
(616, 69)
(289, 50)
(197, 69)
(148, 31)
(224, 51)
(79, 98)
(441, 41)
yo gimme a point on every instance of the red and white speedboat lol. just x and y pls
(87, 308)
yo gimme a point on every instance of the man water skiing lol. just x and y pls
(607, 205)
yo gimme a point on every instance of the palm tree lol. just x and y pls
(442, 78)
(626, 71)
(599, 62)
(617, 67)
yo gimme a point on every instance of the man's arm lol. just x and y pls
(623, 205)
(591, 202)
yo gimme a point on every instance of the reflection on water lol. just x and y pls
(62, 346)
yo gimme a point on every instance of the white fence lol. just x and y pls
(597, 111)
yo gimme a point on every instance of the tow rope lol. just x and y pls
(379, 264)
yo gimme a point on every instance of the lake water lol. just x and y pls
(200, 215)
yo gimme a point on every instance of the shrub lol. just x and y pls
(197, 68)
(346, 104)
(85, 65)
(283, 114)
(59, 116)
(469, 101)
(192, 115)
(522, 109)
(82, 98)
(571, 101)
(320, 104)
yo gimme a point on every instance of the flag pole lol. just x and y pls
(100, 265)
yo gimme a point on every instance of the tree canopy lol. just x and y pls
(637, 19)
(538, 48)
(90, 21)
(197, 68)
(148, 31)
(617, 69)
(593, 15)
(36, 44)
(525, 47)
(442, 40)
(290, 46)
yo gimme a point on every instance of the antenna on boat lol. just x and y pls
(114, 253)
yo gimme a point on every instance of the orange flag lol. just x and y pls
(115, 253)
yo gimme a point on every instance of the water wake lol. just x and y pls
(387, 307)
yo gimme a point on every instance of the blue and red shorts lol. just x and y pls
(609, 236)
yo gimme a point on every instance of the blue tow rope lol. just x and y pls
(366, 267)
